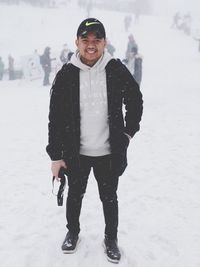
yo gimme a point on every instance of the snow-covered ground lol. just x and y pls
(158, 194)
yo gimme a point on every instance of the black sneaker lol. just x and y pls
(112, 250)
(70, 243)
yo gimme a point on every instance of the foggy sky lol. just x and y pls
(163, 7)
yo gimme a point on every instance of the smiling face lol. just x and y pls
(91, 48)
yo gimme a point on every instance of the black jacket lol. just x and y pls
(64, 115)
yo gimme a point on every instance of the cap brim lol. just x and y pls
(98, 34)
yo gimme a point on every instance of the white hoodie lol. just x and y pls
(93, 107)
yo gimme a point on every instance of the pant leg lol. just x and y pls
(46, 78)
(77, 183)
(107, 185)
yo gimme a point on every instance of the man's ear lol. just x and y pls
(76, 42)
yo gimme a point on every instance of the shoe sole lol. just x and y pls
(74, 250)
(109, 259)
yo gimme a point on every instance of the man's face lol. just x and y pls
(90, 48)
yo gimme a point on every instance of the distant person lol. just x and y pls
(137, 12)
(45, 61)
(70, 55)
(11, 71)
(187, 20)
(2, 66)
(110, 48)
(89, 7)
(134, 64)
(36, 56)
(64, 55)
(127, 22)
(176, 21)
(198, 44)
(87, 129)
(130, 46)
(33, 69)
(197, 38)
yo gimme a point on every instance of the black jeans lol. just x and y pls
(107, 186)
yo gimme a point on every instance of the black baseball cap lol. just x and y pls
(91, 25)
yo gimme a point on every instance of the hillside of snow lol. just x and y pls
(159, 202)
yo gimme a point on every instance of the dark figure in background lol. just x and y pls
(2, 66)
(64, 55)
(138, 68)
(87, 129)
(186, 26)
(70, 55)
(130, 46)
(127, 22)
(176, 21)
(45, 61)
(89, 7)
(137, 12)
(110, 48)
(11, 71)
(198, 44)
(197, 38)
(134, 64)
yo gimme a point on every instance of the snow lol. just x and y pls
(159, 200)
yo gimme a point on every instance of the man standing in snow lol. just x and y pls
(87, 129)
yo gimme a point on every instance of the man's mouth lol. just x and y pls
(91, 51)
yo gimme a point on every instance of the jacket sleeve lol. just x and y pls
(56, 121)
(133, 102)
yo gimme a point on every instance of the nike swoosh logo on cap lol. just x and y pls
(91, 23)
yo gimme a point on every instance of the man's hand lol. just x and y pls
(56, 166)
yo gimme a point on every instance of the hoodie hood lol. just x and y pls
(99, 65)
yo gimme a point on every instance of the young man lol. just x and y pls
(88, 130)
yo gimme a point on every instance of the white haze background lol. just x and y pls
(159, 201)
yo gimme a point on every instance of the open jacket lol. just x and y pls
(64, 115)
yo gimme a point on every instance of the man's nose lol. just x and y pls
(91, 44)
